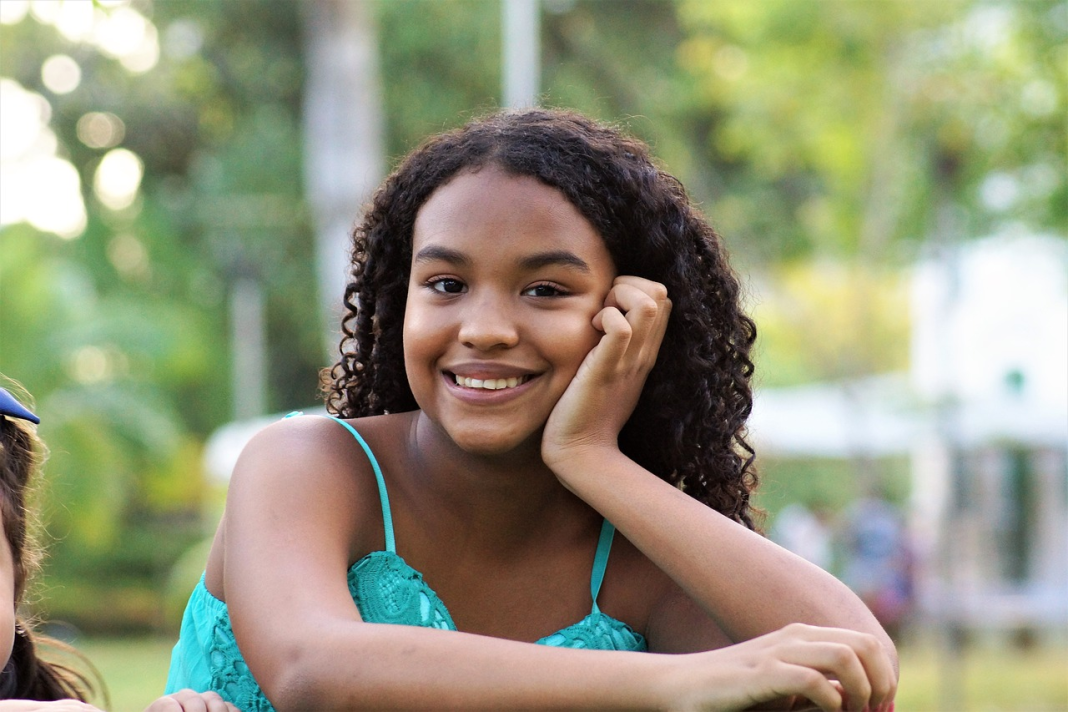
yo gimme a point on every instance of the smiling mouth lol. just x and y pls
(490, 384)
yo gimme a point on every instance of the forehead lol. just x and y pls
(496, 205)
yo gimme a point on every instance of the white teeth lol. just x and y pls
(490, 384)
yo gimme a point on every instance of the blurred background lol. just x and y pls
(177, 180)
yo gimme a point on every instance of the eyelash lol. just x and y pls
(437, 285)
(437, 281)
(558, 291)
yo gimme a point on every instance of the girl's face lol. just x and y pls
(7, 596)
(506, 277)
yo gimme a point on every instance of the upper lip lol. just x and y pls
(488, 370)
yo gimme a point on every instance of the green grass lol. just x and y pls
(996, 679)
(134, 669)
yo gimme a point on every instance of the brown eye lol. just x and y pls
(544, 290)
(447, 286)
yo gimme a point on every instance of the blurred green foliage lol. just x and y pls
(822, 139)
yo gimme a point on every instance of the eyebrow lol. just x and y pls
(444, 254)
(554, 257)
(530, 262)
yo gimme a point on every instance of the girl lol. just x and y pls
(25, 674)
(28, 682)
(539, 438)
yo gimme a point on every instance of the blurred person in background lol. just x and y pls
(805, 532)
(877, 559)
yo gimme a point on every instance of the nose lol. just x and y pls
(488, 322)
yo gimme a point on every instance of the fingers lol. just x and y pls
(856, 660)
(645, 306)
(191, 701)
(617, 334)
(50, 706)
(813, 686)
(831, 659)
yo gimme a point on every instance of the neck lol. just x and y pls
(509, 496)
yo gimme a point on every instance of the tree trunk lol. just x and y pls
(343, 138)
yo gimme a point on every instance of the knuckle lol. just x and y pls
(870, 644)
(647, 308)
(842, 655)
(809, 679)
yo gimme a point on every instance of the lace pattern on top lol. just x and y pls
(388, 590)
(597, 631)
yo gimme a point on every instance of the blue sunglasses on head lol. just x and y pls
(13, 409)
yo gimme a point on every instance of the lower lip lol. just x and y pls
(484, 395)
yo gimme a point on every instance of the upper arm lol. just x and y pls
(292, 516)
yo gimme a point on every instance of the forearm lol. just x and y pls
(749, 585)
(380, 666)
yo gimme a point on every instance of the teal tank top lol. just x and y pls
(385, 589)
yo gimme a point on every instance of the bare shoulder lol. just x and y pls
(647, 598)
(302, 487)
(312, 449)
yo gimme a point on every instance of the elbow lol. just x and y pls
(305, 674)
(293, 689)
(291, 677)
(290, 681)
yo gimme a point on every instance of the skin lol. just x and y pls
(498, 496)
(182, 701)
(7, 598)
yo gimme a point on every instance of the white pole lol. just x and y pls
(248, 334)
(344, 137)
(520, 33)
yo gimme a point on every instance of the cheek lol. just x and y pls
(7, 634)
(7, 603)
(420, 338)
(571, 340)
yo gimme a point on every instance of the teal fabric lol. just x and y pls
(385, 589)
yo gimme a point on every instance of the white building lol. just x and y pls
(983, 414)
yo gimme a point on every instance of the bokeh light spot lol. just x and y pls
(12, 11)
(183, 39)
(129, 257)
(38, 187)
(100, 129)
(75, 20)
(46, 11)
(117, 178)
(89, 364)
(61, 74)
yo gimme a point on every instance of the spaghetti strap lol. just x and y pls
(600, 560)
(383, 496)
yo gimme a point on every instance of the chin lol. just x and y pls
(494, 443)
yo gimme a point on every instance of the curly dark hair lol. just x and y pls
(689, 424)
